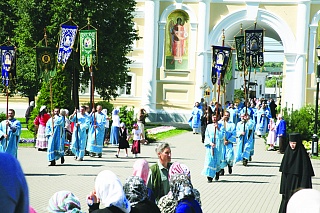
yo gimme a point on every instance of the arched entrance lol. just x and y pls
(277, 29)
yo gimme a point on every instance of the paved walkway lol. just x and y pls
(249, 189)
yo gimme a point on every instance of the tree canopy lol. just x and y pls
(25, 21)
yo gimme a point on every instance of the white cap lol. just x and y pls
(42, 108)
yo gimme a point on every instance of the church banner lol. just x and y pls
(254, 48)
(88, 47)
(45, 62)
(240, 51)
(67, 38)
(220, 61)
(8, 68)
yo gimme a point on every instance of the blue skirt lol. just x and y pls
(114, 135)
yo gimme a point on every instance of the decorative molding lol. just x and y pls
(174, 91)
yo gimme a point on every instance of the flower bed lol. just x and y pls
(159, 129)
(22, 140)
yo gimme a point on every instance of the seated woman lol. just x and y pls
(182, 192)
(108, 190)
(137, 194)
(64, 201)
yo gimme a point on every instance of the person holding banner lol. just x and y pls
(55, 132)
(213, 143)
(244, 133)
(96, 132)
(79, 136)
(228, 130)
(10, 131)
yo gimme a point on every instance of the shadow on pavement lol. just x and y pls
(30, 175)
(239, 181)
(253, 175)
(257, 165)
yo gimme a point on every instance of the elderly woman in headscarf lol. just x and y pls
(64, 201)
(167, 202)
(182, 192)
(141, 169)
(114, 133)
(109, 192)
(137, 193)
(177, 168)
(296, 170)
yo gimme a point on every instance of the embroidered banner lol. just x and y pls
(220, 61)
(45, 62)
(8, 67)
(254, 48)
(88, 47)
(240, 46)
(67, 38)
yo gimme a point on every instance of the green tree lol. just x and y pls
(273, 82)
(238, 94)
(112, 18)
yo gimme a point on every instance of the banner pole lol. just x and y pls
(52, 113)
(7, 111)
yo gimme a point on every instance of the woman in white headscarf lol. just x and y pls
(64, 201)
(109, 192)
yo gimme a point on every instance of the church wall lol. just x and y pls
(287, 12)
(175, 90)
(311, 78)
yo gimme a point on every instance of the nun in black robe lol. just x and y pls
(296, 170)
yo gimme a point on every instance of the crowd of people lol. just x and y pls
(235, 124)
(87, 131)
(164, 187)
(223, 127)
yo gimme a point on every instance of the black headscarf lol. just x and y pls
(296, 161)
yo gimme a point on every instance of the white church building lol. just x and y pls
(172, 60)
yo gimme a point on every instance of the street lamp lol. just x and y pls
(314, 147)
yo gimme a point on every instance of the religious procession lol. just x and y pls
(228, 132)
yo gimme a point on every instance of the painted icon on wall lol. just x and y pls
(177, 37)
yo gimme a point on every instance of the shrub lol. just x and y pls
(301, 121)
(3, 116)
(127, 116)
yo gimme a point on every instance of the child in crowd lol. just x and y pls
(123, 139)
(137, 135)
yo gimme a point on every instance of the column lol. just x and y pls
(298, 85)
(202, 46)
(148, 97)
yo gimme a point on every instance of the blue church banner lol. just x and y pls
(8, 64)
(254, 48)
(220, 60)
(67, 38)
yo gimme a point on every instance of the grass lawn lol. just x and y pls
(164, 135)
(26, 145)
(23, 122)
(26, 134)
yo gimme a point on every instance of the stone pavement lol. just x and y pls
(249, 189)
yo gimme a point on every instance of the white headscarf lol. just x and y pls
(304, 200)
(110, 191)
